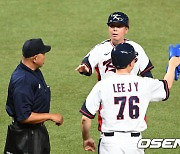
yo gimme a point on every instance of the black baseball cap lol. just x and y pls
(122, 55)
(118, 17)
(33, 47)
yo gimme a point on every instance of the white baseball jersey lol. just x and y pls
(99, 58)
(122, 101)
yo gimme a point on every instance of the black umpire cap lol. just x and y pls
(122, 55)
(118, 17)
(33, 47)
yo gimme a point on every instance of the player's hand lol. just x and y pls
(174, 61)
(82, 68)
(57, 118)
(89, 145)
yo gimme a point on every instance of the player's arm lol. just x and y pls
(89, 62)
(85, 127)
(147, 71)
(159, 90)
(88, 142)
(147, 74)
(88, 110)
(85, 67)
(145, 64)
(169, 76)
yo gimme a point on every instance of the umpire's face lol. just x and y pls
(117, 32)
(39, 60)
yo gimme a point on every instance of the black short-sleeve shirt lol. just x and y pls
(27, 93)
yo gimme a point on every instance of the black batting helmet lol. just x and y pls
(122, 55)
(118, 17)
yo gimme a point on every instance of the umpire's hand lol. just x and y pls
(57, 118)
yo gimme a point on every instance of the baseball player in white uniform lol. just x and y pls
(123, 100)
(99, 58)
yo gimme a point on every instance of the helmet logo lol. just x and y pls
(117, 16)
(125, 52)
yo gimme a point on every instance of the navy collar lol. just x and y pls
(27, 68)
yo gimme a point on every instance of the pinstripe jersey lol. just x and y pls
(99, 59)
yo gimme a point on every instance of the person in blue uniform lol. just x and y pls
(28, 103)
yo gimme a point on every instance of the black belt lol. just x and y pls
(21, 125)
(112, 134)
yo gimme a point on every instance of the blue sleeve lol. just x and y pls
(23, 98)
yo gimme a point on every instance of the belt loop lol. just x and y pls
(108, 133)
(135, 134)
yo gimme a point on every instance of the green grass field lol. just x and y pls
(72, 28)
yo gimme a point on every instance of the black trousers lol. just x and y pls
(27, 139)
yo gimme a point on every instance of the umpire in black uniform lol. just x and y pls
(28, 103)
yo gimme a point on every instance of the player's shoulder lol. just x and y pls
(149, 81)
(108, 80)
(103, 43)
(136, 45)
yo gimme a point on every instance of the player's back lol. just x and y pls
(125, 99)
